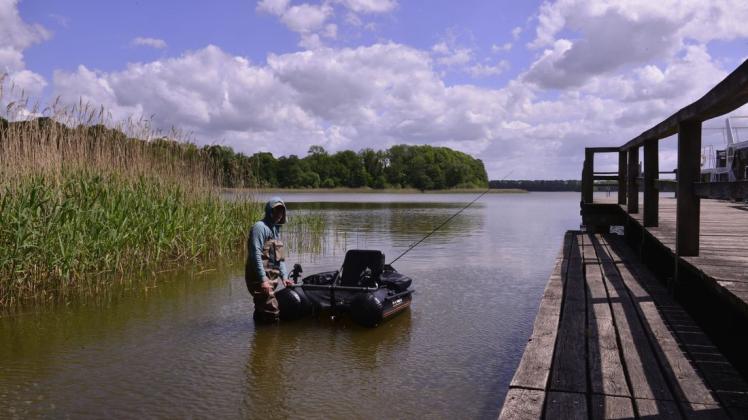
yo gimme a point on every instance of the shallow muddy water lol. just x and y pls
(187, 346)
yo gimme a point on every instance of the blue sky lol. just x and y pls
(522, 85)
(99, 34)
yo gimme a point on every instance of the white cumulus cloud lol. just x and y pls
(15, 36)
(603, 36)
(388, 93)
(369, 6)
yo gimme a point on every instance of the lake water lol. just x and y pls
(185, 344)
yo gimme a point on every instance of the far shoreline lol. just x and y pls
(374, 191)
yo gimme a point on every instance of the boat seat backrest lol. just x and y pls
(357, 261)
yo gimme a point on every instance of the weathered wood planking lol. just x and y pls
(729, 386)
(657, 409)
(569, 370)
(609, 342)
(606, 369)
(535, 365)
(523, 404)
(684, 380)
(565, 405)
(607, 407)
(647, 382)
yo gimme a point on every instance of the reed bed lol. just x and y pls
(84, 202)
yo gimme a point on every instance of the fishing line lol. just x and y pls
(445, 222)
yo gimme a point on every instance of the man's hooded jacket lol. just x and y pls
(260, 233)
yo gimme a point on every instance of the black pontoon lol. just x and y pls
(365, 287)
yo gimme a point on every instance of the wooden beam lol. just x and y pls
(603, 149)
(621, 177)
(687, 216)
(730, 94)
(651, 194)
(632, 187)
(587, 177)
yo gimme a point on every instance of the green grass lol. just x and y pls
(74, 233)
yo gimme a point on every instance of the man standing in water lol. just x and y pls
(266, 262)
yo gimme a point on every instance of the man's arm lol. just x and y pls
(255, 244)
(283, 270)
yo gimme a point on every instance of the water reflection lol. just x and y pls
(392, 227)
(185, 346)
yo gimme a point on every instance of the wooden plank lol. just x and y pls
(535, 365)
(606, 369)
(607, 407)
(679, 371)
(523, 404)
(565, 405)
(704, 411)
(569, 371)
(647, 381)
(654, 409)
(604, 149)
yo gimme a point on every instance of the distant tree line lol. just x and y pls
(402, 166)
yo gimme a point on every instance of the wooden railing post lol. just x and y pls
(632, 174)
(588, 180)
(687, 215)
(651, 173)
(621, 177)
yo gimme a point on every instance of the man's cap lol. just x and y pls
(279, 203)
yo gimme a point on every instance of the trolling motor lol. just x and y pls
(292, 300)
(296, 272)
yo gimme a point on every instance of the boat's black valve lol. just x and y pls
(296, 272)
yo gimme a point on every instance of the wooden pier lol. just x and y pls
(609, 341)
(653, 323)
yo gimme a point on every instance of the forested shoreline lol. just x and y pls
(400, 166)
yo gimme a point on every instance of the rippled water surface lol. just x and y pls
(185, 344)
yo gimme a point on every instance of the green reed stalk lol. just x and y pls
(83, 204)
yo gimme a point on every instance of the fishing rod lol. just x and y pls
(445, 222)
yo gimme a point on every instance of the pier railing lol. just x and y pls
(730, 94)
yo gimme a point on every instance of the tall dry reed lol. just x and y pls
(84, 201)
